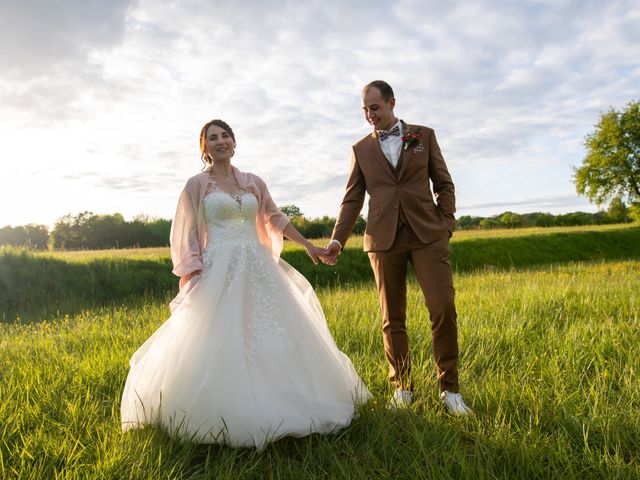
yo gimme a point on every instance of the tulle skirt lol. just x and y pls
(245, 358)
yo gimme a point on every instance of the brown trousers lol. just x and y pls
(433, 271)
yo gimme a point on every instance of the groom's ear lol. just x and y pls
(392, 102)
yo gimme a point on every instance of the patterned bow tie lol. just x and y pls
(394, 132)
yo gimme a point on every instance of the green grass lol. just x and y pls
(45, 285)
(549, 364)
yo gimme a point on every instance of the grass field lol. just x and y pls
(36, 286)
(549, 364)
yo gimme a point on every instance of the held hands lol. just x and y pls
(331, 252)
(327, 255)
(314, 253)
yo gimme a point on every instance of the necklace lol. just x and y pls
(226, 173)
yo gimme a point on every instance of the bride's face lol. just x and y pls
(219, 144)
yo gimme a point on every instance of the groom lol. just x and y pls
(394, 165)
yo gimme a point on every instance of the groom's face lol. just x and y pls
(378, 111)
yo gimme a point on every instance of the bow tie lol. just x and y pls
(394, 132)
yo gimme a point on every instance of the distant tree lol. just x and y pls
(488, 223)
(88, 231)
(542, 219)
(358, 229)
(511, 220)
(12, 236)
(31, 236)
(611, 167)
(301, 224)
(159, 229)
(467, 222)
(105, 231)
(291, 211)
(37, 236)
(618, 211)
(69, 231)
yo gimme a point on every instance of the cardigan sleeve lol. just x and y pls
(186, 252)
(276, 219)
(271, 221)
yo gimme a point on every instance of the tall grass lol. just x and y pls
(549, 364)
(36, 286)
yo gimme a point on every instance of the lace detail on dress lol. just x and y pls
(235, 267)
(213, 186)
(243, 260)
(264, 313)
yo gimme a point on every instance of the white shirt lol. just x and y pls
(392, 146)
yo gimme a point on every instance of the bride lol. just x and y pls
(246, 356)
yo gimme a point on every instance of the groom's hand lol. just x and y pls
(331, 252)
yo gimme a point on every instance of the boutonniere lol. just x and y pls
(411, 139)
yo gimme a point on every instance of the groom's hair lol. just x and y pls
(385, 89)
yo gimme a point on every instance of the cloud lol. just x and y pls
(545, 202)
(44, 55)
(39, 35)
(510, 88)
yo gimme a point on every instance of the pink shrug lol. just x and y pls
(189, 230)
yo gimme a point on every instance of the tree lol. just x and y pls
(69, 231)
(358, 229)
(611, 167)
(37, 236)
(511, 220)
(488, 223)
(291, 211)
(467, 222)
(618, 211)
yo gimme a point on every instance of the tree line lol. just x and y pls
(88, 231)
(617, 213)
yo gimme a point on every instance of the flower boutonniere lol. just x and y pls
(412, 138)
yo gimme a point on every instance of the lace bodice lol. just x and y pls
(230, 216)
(231, 226)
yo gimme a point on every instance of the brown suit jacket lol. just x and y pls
(407, 188)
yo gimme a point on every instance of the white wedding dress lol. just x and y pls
(246, 358)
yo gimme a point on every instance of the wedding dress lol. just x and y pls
(246, 358)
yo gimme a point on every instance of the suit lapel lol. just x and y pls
(405, 155)
(379, 156)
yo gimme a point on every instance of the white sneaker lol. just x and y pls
(454, 404)
(400, 399)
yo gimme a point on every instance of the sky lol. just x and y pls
(102, 101)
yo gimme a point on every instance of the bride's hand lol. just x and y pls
(314, 252)
(186, 278)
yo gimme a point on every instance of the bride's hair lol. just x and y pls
(203, 137)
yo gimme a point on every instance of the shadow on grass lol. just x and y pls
(542, 249)
(34, 287)
(379, 444)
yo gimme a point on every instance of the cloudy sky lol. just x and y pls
(101, 101)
